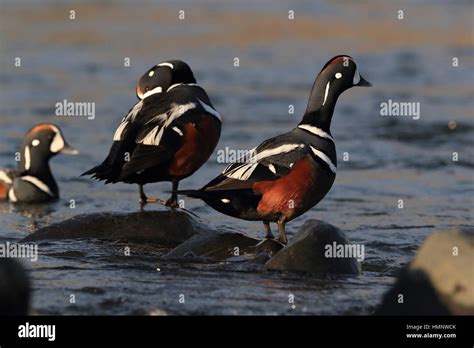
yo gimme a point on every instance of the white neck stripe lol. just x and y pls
(179, 84)
(153, 91)
(210, 109)
(316, 131)
(38, 183)
(325, 158)
(12, 196)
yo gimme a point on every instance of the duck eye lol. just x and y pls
(146, 89)
(151, 73)
(35, 142)
(338, 75)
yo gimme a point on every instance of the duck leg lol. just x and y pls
(144, 200)
(268, 230)
(281, 231)
(173, 200)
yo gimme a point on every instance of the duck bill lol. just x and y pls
(69, 150)
(363, 82)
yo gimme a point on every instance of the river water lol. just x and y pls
(389, 158)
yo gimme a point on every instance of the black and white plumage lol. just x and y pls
(292, 172)
(33, 182)
(166, 136)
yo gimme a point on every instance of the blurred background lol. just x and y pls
(390, 158)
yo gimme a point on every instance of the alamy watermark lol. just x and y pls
(229, 155)
(75, 109)
(404, 109)
(336, 250)
(23, 250)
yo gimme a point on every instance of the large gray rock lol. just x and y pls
(438, 281)
(14, 288)
(306, 252)
(167, 228)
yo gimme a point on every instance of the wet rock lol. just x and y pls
(306, 252)
(265, 250)
(167, 228)
(214, 245)
(438, 281)
(14, 288)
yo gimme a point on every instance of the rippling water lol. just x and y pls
(390, 158)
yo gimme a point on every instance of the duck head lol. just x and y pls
(162, 76)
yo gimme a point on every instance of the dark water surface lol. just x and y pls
(390, 158)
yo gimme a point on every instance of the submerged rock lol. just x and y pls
(167, 228)
(215, 245)
(438, 281)
(14, 288)
(306, 252)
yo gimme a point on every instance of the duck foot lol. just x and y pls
(172, 203)
(147, 200)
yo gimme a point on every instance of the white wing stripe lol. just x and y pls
(4, 177)
(276, 151)
(325, 158)
(244, 171)
(150, 137)
(118, 132)
(176, 111)
(129, 118)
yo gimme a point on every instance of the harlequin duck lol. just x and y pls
(290, 173)
(168, 135)
(34, 182)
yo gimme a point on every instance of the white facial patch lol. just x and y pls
(326, 92)
(225, 200)
(338, 75)
(35, 142)
(27, 158)
(151, 73)
(57, 144)
(169, 65)
(356, 77)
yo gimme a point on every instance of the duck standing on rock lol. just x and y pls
(34, 181)
(168, 135)
(290, 173)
